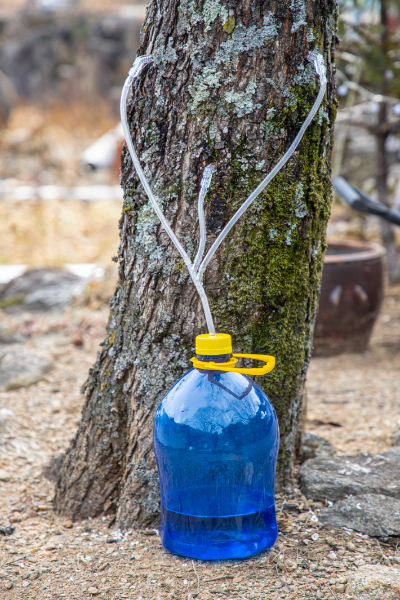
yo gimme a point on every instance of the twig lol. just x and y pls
(381, 551)
(219, 578)
(332, 592)
(198, 579)
(353, 85)
(14, 561)
(281, 580)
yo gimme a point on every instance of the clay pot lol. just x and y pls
(351, 297)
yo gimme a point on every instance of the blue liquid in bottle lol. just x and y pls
(216, 441)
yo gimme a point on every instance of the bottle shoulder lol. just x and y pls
(204, 399)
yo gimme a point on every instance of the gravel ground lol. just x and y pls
(354, 401)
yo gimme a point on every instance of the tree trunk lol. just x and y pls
(230, 85)
(388, 235)
(382, 176)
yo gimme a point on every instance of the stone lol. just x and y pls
(316, 446)
(7, 585)
(371, 514)
(22, 367)
(341, 476)
(351, 547)
(6, 530)
(16, 518)
(4, 476)
(396, 437)
(93, 590)
(375, 582)
(339, 588)
(41, 289)
(11, 338)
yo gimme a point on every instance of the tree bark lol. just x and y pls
(388, 235)
(230, 85)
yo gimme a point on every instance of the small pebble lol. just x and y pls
(4, 476)
(315, 537)
(7, 585)
(93, 590)
(351, 547)
(359, 563)
(16, 518)
(290, 564)
(77, 341)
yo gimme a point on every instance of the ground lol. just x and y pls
(354, 401)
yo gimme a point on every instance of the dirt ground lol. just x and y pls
(354, 401)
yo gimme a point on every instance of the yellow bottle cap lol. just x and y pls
(213, 345)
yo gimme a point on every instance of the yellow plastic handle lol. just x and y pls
(230, 364)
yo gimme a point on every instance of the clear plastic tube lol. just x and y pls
(320, 69)
(140, 63)
(205, 184)
(196, 272)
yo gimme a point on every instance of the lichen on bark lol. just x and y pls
(230, 85)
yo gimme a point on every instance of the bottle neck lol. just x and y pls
(219, 358)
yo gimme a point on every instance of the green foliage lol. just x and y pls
(361, 31)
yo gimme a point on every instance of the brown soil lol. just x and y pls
(354, 400)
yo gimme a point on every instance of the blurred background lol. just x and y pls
(60, 59)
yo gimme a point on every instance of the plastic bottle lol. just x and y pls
(216, 441)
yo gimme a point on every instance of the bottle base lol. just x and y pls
(216, 538)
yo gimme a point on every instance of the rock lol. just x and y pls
(396, 437)
(94, 591)
(372, 514)
(22, 367)
(6, 530)
(375, 582)
(4, 476)
(339, 588)
(16, 518)
(341, 476)
(7, 585)
(11, 338)
(77, 341)
(315, 446)
(41, 289)
(351, 547)
(31, 574)
(30, 514)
